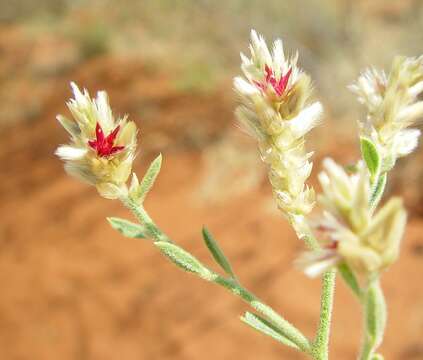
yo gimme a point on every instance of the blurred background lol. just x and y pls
(72, 288)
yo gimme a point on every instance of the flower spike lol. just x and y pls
(273, 93)
(393, 106)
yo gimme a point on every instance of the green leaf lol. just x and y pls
(148, 180)
(217, 252)
(377, 190)
(263, 326)
(371, 156)
(127, 228)
(376, 313)
(375, 310)
(183, 259)
(349, 278)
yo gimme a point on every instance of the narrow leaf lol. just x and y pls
(349, 278)
(217, 253)
(375, 309)
(377, 190)
(263, 326)
(127, 228)
(183, 259)
(148, 180)
(371, 156)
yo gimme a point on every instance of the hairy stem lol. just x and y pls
(286, 328)
(320, 347)
(145, 219)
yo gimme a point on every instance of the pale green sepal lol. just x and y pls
(263, 326)
(371, 157)
(184, 260)
(127, 228)
(217, 252)
(377, 357)
(140, 192)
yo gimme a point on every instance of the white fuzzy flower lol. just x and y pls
(273, 95)
(102, 149)
(392, 106)
(367, 242)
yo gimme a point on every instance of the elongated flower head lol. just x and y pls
(274, 109)
(102, 148)
(367, 242)
(392, 107)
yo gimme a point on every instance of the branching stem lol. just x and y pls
(285, 327)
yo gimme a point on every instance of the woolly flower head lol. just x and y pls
(392, 104)
(274, 110)
(367, 242)
(102, 148)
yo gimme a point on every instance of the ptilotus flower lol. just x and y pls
(274, 109)
(102, 149)
(392, 106)
(367, 242)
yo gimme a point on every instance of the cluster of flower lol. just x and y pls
(392, 105)
(367, 242)
(275, 109)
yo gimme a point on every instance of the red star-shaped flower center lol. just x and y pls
(279, 86)
(104, 145)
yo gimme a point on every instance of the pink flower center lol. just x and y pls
(104, 145)
(279, 86)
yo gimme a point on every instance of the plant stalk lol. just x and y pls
(320, 348)
(286, 328)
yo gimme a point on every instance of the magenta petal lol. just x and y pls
(92, 144)
(283, 82)
(112, 136)
(99, 133)
(104, 145)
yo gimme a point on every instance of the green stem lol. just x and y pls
(145, 219)
(320, 349)
(320, 346)
(286, 328)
